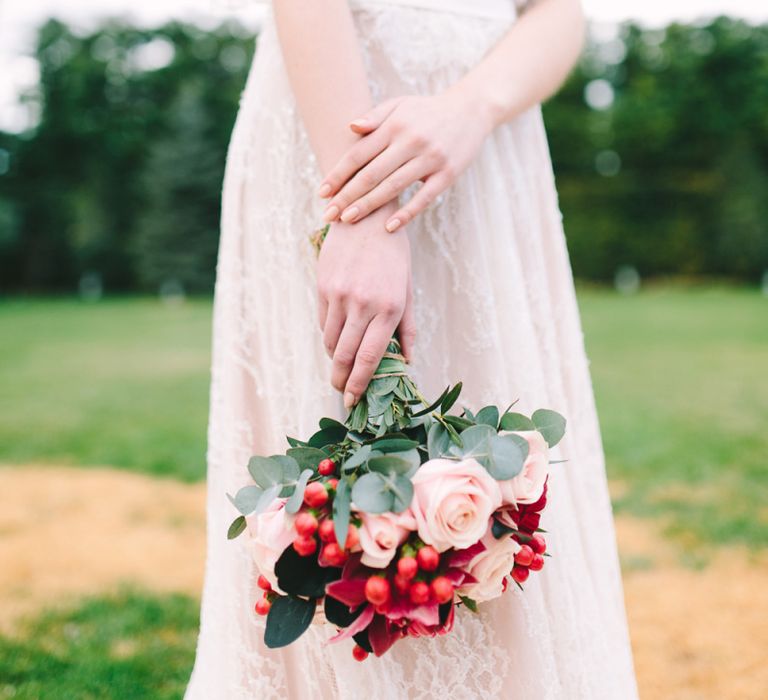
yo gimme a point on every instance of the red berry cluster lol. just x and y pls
(264, 603)
(529, 558)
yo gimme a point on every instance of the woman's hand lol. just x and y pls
(364, 295)
(405, 140)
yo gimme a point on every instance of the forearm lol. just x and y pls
(326, 72)
(530, 62)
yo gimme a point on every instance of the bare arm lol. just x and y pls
(359, 306)
(435, 138)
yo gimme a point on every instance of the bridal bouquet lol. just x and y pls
(395, 517)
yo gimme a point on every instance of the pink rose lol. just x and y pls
(270, 532)
(528, 485)
(452, 502)
(490, 567)
(381, 535)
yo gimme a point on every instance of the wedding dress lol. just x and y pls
(495, 307)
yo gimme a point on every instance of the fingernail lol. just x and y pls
(324, 190)
(331, 213)
(360, 123)
(392, 225)
(349, 400)
(348, 214)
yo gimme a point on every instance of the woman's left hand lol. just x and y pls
(405, 140)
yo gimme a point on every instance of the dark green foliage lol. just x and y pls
(127, 646)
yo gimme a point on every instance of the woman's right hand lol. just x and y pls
(364, 296)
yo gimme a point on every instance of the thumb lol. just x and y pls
(374, 118)
(406, 330)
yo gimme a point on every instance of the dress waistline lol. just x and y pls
(486, 9)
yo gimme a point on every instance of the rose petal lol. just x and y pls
(381, 635)
(348, 591)
(360, 623)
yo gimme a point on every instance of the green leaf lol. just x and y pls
(266, 471)
(303, 576)
(450, 399)
(516, 421)
(293, 504)
(507, 456)
(469, 602)
(499, 530)
(412, 457)
(458, 423)
(236, 528)
(267, 497)
(432, 406)
(438, 441)
(378, 405)
(341, 511)
(389, 464)
(306, 458)
(356, 459)
(247, 498)
(394, 444)
(290, 472)
(402, 490)
(476, 444)
(550, 424)
(337, 613)
(358, 416)
(371, 495)
(385, 385)
(466, 413)
(332, 424)
(326, 437)
(489, 415)
(293, 442)
(453, 435)
(288, 618)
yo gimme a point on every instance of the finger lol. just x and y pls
(322, 311)
(388, 189)
(433, 186)
(332, 327)
(406, 330)
(346, 350)
(356, 157)
(371, 350)
(375, 117)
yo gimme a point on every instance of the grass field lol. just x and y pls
(680, 380)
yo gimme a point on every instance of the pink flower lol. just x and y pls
(528, 485)
(270, 532)
(452, 502)
(381, 535)
(490, 567)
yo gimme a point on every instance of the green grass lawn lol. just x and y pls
(680, 378)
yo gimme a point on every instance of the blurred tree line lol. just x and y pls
(659, 141)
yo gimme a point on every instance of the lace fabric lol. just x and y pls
(495, 307)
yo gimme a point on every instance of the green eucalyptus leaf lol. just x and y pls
(412, 457)
(267, 497)
(326, 437)
(236, 528)
(293, 504)
(388, 464)
(356, 459)
(550, 424)
(306, 458)
(438, 441)
(266, 471)
(390, 444)
(466, 413)
(371, 495)
(358, 416)
(293, 442)
(385, 385)
(332, 424)
(450, 399)
(291, 471)
(476, 444)
(489, 415)
(288, 618)
(341, 506)
(507, 456)
(247, 498)
(402, 490)
(298, 575)
(516, 421)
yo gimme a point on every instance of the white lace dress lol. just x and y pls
(495, 308)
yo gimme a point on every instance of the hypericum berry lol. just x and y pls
(442, 589)
(326, 467)
(520, 574)
(333, 554)
(419, 593)
(402, 584)
(305, 546)
(538, 563)
(325, 531)
(407, 567)
(305, 524)
(428, 558)
(359, 653)
(353, 538)
(262, 606)
(538, 544)
(263, 583)
(332, 483)
(377, 590)
(525, 556)
(315, 495)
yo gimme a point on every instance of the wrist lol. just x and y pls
(482, 99)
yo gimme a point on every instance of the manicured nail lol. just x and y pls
(393, 225)
(359, 123)
(324, 191)
(349, 400)
(331, 213)
(348, 214)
